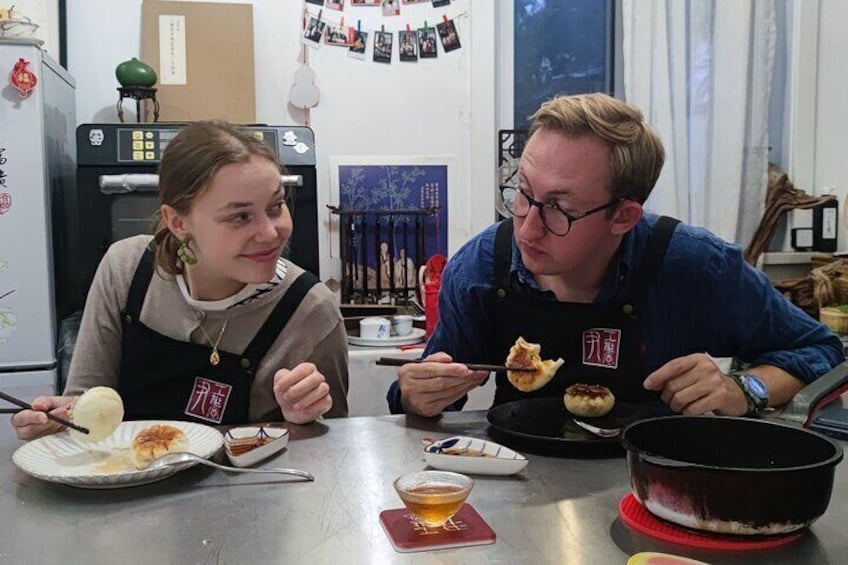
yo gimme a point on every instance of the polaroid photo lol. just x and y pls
(337, 35)
(427, 42)
(390, 8)
(337, 5)
(316, 2)
(365, 2)
(408, 45)
(414, 1)
(359, 40)
(383, 46)
(313, 32)
(440, 3)
(448, 35)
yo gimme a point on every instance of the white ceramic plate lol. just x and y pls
(279, 438)
(58, 458)
(416, 336)
(458, 454)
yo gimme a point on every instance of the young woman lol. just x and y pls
(205, 321)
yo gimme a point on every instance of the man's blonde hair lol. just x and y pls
(636, 152)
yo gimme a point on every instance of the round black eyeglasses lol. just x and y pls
(555, 219)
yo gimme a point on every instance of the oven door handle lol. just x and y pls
(120, 184)
(292, 180)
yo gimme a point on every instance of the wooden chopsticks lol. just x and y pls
(22, 404)
(398, 361)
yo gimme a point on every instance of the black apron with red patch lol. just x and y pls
(601, 344)
(163, 378)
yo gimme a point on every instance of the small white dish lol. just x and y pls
(248, 445)
(473, 456)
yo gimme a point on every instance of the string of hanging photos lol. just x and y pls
(414, 43)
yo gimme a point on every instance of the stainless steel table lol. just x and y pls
(555, 511)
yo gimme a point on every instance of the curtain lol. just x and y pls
(700, 71)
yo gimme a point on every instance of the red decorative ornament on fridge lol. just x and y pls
(22, 79)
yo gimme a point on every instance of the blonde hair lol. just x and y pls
(188, 165)
(636, 151)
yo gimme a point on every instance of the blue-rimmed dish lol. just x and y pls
(248, 445)
(474, 456)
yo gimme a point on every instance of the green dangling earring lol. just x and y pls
(185, 253)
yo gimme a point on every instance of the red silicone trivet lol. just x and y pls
(637, 517)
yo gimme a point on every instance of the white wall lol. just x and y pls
(444, 106)
(831, 110)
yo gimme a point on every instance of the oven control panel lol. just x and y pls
(143, 144)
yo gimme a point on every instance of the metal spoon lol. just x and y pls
(185, 457)
(600, 432)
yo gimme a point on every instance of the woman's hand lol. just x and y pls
(302, 393)
(428, 388)
(31, 424)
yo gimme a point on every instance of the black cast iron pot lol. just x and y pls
(730, 475)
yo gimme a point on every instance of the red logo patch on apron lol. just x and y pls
(600, 347)
(208, 400)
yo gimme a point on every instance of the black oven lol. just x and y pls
(116, 197)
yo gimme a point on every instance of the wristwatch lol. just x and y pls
(755, 390)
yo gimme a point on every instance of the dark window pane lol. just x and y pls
(560, 47)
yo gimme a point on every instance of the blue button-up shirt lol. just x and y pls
(706, 298)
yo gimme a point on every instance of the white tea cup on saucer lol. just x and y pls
(401, 325)
(375, 328)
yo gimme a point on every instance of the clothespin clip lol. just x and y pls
(358, 25)
(382, 29)
(425, 25)
(341, 23)
(320, 12)
(407, 29)
(305, 15)
(445, 17)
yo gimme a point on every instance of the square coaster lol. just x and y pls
(407, 534)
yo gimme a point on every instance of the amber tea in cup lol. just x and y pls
(433, 496)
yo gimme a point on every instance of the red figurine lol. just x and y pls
(22, 78)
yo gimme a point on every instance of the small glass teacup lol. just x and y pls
(433, 496)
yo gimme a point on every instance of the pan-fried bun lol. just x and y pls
(588, 401)
(527, 355)
(100, 410)
(156, 441)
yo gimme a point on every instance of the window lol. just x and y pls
(548, 48)
(559, 47)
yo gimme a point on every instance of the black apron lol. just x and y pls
(163, 378)
(601, 344)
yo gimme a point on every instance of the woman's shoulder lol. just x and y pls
(129, 249)
(123, 256)
(319, 298)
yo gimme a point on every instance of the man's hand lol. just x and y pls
(429, 387)
(302, 393)
(694, 385)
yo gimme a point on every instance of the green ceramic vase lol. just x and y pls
(135, 73)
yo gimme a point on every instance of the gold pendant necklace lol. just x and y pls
(215, 358)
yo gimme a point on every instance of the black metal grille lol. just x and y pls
(382, 252)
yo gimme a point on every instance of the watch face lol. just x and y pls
(756, 387)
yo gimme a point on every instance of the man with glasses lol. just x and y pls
(629, 300)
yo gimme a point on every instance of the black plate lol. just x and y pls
(543, 425)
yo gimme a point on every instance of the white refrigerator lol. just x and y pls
(37, 161)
